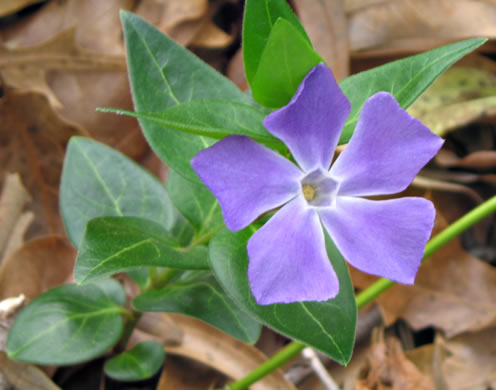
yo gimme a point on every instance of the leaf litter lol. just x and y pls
(52, 59)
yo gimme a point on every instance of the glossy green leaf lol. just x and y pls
(199, 295)
(259, 18)
(117, 244)
(99, 181)
(405, 79)
(68, 324)
(210, 118)
(327, 326)
(141, 362)
(285, 61)
(163, 74)
(196, 203)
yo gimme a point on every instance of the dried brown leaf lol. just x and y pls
(453, 291)
(8, 7)
(13, 199)
(326, 24)
(33, 140)
(26, 68)
(24, 376)
(469, 361)
(388, 368)
(416, 25)
(37, 266)
(216, 349)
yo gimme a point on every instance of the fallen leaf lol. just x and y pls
(388, 368)
(469, 361)
(415, 25)
(80, 92)
(37, 266)
(211, 36)
(32, 142)
(8, 7)
(453, 291)
(12, 200)
(458, 97)
(326, 24)
(26, 68)
(177, 375)
(24, 376)
(214, 348)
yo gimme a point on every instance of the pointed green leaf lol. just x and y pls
(405, 79)
(210, 118)
(285, 61)
(163, 74)
(141, 362)
(327, 326)
(196, 203)
(68, 324)
(259, 18)
(199, 295)
(99, 181)
(117, 244)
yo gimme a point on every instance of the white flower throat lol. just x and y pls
(319, 189)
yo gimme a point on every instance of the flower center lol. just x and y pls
(319, 189)
(308, 191)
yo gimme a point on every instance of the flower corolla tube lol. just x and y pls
(288, 261)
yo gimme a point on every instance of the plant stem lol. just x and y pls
(164, 278)
(370, 293)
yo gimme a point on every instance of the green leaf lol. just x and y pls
(286, 60)
(68, 324)
(405, 79)
(196, 203)
(99, 181)
(117, 244)
(199, 295)
(163, 75)
(141, 362)
(259, 18)
(210, 118)
(327, 326)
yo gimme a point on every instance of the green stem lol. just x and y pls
(370, 293)
(164, 278)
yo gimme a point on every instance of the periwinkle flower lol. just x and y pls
(288, 261)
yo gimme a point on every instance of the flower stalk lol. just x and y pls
(373, 291)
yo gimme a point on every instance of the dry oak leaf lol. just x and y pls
(388, 368)
(392, 26)
(32, 142)
(210, 346)
(26, 68)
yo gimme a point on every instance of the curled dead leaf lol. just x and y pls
(215, 349)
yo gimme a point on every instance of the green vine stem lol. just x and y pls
(370, 293)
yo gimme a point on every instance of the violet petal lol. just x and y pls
(288, 258)
(386, 151)
(248, 179)
(385, 238)
(310, 124)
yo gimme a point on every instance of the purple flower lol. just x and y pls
(288, 258)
